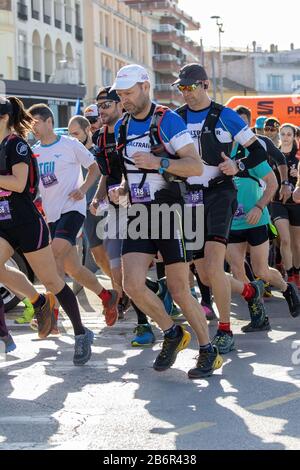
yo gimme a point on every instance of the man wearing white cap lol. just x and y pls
(92, 115)
(148, 180)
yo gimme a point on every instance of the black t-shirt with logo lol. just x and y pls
(292, 163)
(15, 208)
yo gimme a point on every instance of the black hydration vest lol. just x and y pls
(210, 147)
(107, 156)
(176, 187)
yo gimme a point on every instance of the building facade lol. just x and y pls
(42, 51)
(171, 46)
(115, 35)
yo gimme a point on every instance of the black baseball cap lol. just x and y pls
(106, 93)
(191, 74)
(5, 106)
(272, 122)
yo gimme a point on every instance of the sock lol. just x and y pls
(248, 292)
(173, 332)
(141, 317)
(206, 348)
(160, 270)
(296, 271)
(69, 303)
(38, 301)
(105, 295)
(3, 327)
(290, 272)
(224, 327)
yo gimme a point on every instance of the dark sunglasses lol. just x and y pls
(271, 129)
(92, 120)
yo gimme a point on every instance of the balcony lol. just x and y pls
(168, 35)
(37, 76)
(47, 19)
(24, 74)
(168, 95)
(57, 24)
(35, 14)
(166, 63)
(79, 33)
(22, 11)
(68, 28)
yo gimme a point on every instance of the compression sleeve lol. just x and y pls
(257, 155)
(276, 156)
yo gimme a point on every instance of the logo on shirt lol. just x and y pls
(57, 155)
(22, 149)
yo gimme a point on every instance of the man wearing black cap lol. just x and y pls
(213, 129)
(271, 129)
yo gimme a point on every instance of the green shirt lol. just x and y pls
(249, 193)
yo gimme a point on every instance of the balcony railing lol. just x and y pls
(37, 76)
(22, 11)
(57, 24)
(35, 14)
(68, 28)
(47, 19)
(24, 74)
(78, 33)
(166, 58)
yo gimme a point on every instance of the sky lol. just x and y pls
(266, 22)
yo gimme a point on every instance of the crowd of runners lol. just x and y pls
(128, 170)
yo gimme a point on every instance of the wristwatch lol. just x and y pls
(285, 183)
(241, 166)
(164, 165)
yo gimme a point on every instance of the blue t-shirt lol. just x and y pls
(230, 127)
(249, 193)
(174, 134)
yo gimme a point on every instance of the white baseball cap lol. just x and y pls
(91, 111)
(129, 76)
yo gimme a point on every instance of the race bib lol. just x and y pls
(48, 180)
(140, 194)
(240, 213)
(195, 198)
(4, 211)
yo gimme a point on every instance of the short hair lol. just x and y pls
(243, 110)
(41, 110)
(82, 121)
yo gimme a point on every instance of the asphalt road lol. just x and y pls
(117, 401)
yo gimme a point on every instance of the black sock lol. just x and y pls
(69, 303)
(204, 290)
(296, 271)
(141, 317)
(3, 327)
(173, 332)
(160, 270)
(290, 272)
(39, 303)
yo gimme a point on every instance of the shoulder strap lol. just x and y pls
(213, 115)
(182, 111)
(154, 129)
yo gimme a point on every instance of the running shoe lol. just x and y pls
(28, 314)
(144, 336)
(209, 311)
(164, 295)
(45, 316)
(10, 345)
(110, 308)
(207, 363)
(175, 313)
(83, 349)
(171, 347)
(293, 301)
(256, 306)
(268, 291)
(251, 328)
(224, 341)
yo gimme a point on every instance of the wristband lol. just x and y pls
(258, 206)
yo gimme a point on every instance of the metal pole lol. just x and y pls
(221, 66)
(213, 75)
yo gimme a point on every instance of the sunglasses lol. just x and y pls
(189, 87)
(92, 120)
(271, 129)
(105, 105)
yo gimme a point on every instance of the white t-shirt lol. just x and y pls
(60, 174)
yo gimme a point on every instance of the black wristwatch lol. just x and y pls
(285, 183)
(241, 166)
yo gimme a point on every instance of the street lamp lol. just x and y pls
(221, 30)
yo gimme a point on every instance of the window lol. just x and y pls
(275, 82)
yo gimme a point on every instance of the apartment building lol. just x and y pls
(41, 53)
(115, 35)
(171, 46)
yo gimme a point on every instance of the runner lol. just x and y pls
(271, 130)
(213, 129)
(63, 193)
(91, 113)
(145, 180)
(22, 226)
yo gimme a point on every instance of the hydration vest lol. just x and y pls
(210, 147)
(106, 154)
(34, 176)
(176, 186)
